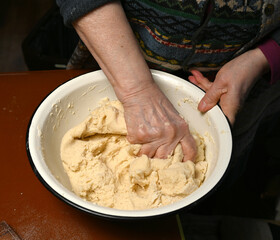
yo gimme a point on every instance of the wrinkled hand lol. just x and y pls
(232, 83)
(153, 122)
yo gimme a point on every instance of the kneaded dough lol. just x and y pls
(103, 167)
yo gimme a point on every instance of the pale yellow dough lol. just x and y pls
(103, 167)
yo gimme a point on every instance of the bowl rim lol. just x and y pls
(126, 214)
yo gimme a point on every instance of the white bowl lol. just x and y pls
(71, 103)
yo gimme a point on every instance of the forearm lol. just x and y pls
(109, 37)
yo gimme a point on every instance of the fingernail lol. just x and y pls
(202, 106)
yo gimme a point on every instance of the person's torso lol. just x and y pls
(189, 33)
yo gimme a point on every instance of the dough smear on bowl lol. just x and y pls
(103, 167)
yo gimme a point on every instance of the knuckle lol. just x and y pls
(135, 135)
(183, 127)
(171, 130)
(140, 136)
(143, 135)
(222, 90)
(156, 133)
(131, 139)
(210, 96)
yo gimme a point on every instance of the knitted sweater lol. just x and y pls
(176, 34)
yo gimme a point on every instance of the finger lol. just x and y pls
(193, 80)
(189, 148)
(148, 149)
(211, 98)
(203, 82)
(165, 150)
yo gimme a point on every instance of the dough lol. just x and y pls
(103, 167)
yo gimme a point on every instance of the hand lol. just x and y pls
(232, 83)
(152, 121)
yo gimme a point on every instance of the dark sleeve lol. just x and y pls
(74, 9)
(271, 50)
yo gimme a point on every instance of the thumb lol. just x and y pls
(211, 98)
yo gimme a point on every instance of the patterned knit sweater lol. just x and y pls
(176, 34)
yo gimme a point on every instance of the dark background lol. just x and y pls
(17, 18)
(33, 36)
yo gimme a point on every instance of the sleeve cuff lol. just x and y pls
(74, 9)
(271, 51)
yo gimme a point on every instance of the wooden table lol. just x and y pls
(25, 204)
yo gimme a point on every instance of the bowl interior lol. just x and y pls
(72, 102)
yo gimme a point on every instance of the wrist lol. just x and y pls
(131, 81)
(130, 89)
(261, 61)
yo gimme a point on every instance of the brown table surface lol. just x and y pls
(25, 204)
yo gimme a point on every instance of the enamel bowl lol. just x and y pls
(71, 103)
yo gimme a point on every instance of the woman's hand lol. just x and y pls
(153, 121)
(232, 83)
(150, 118)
